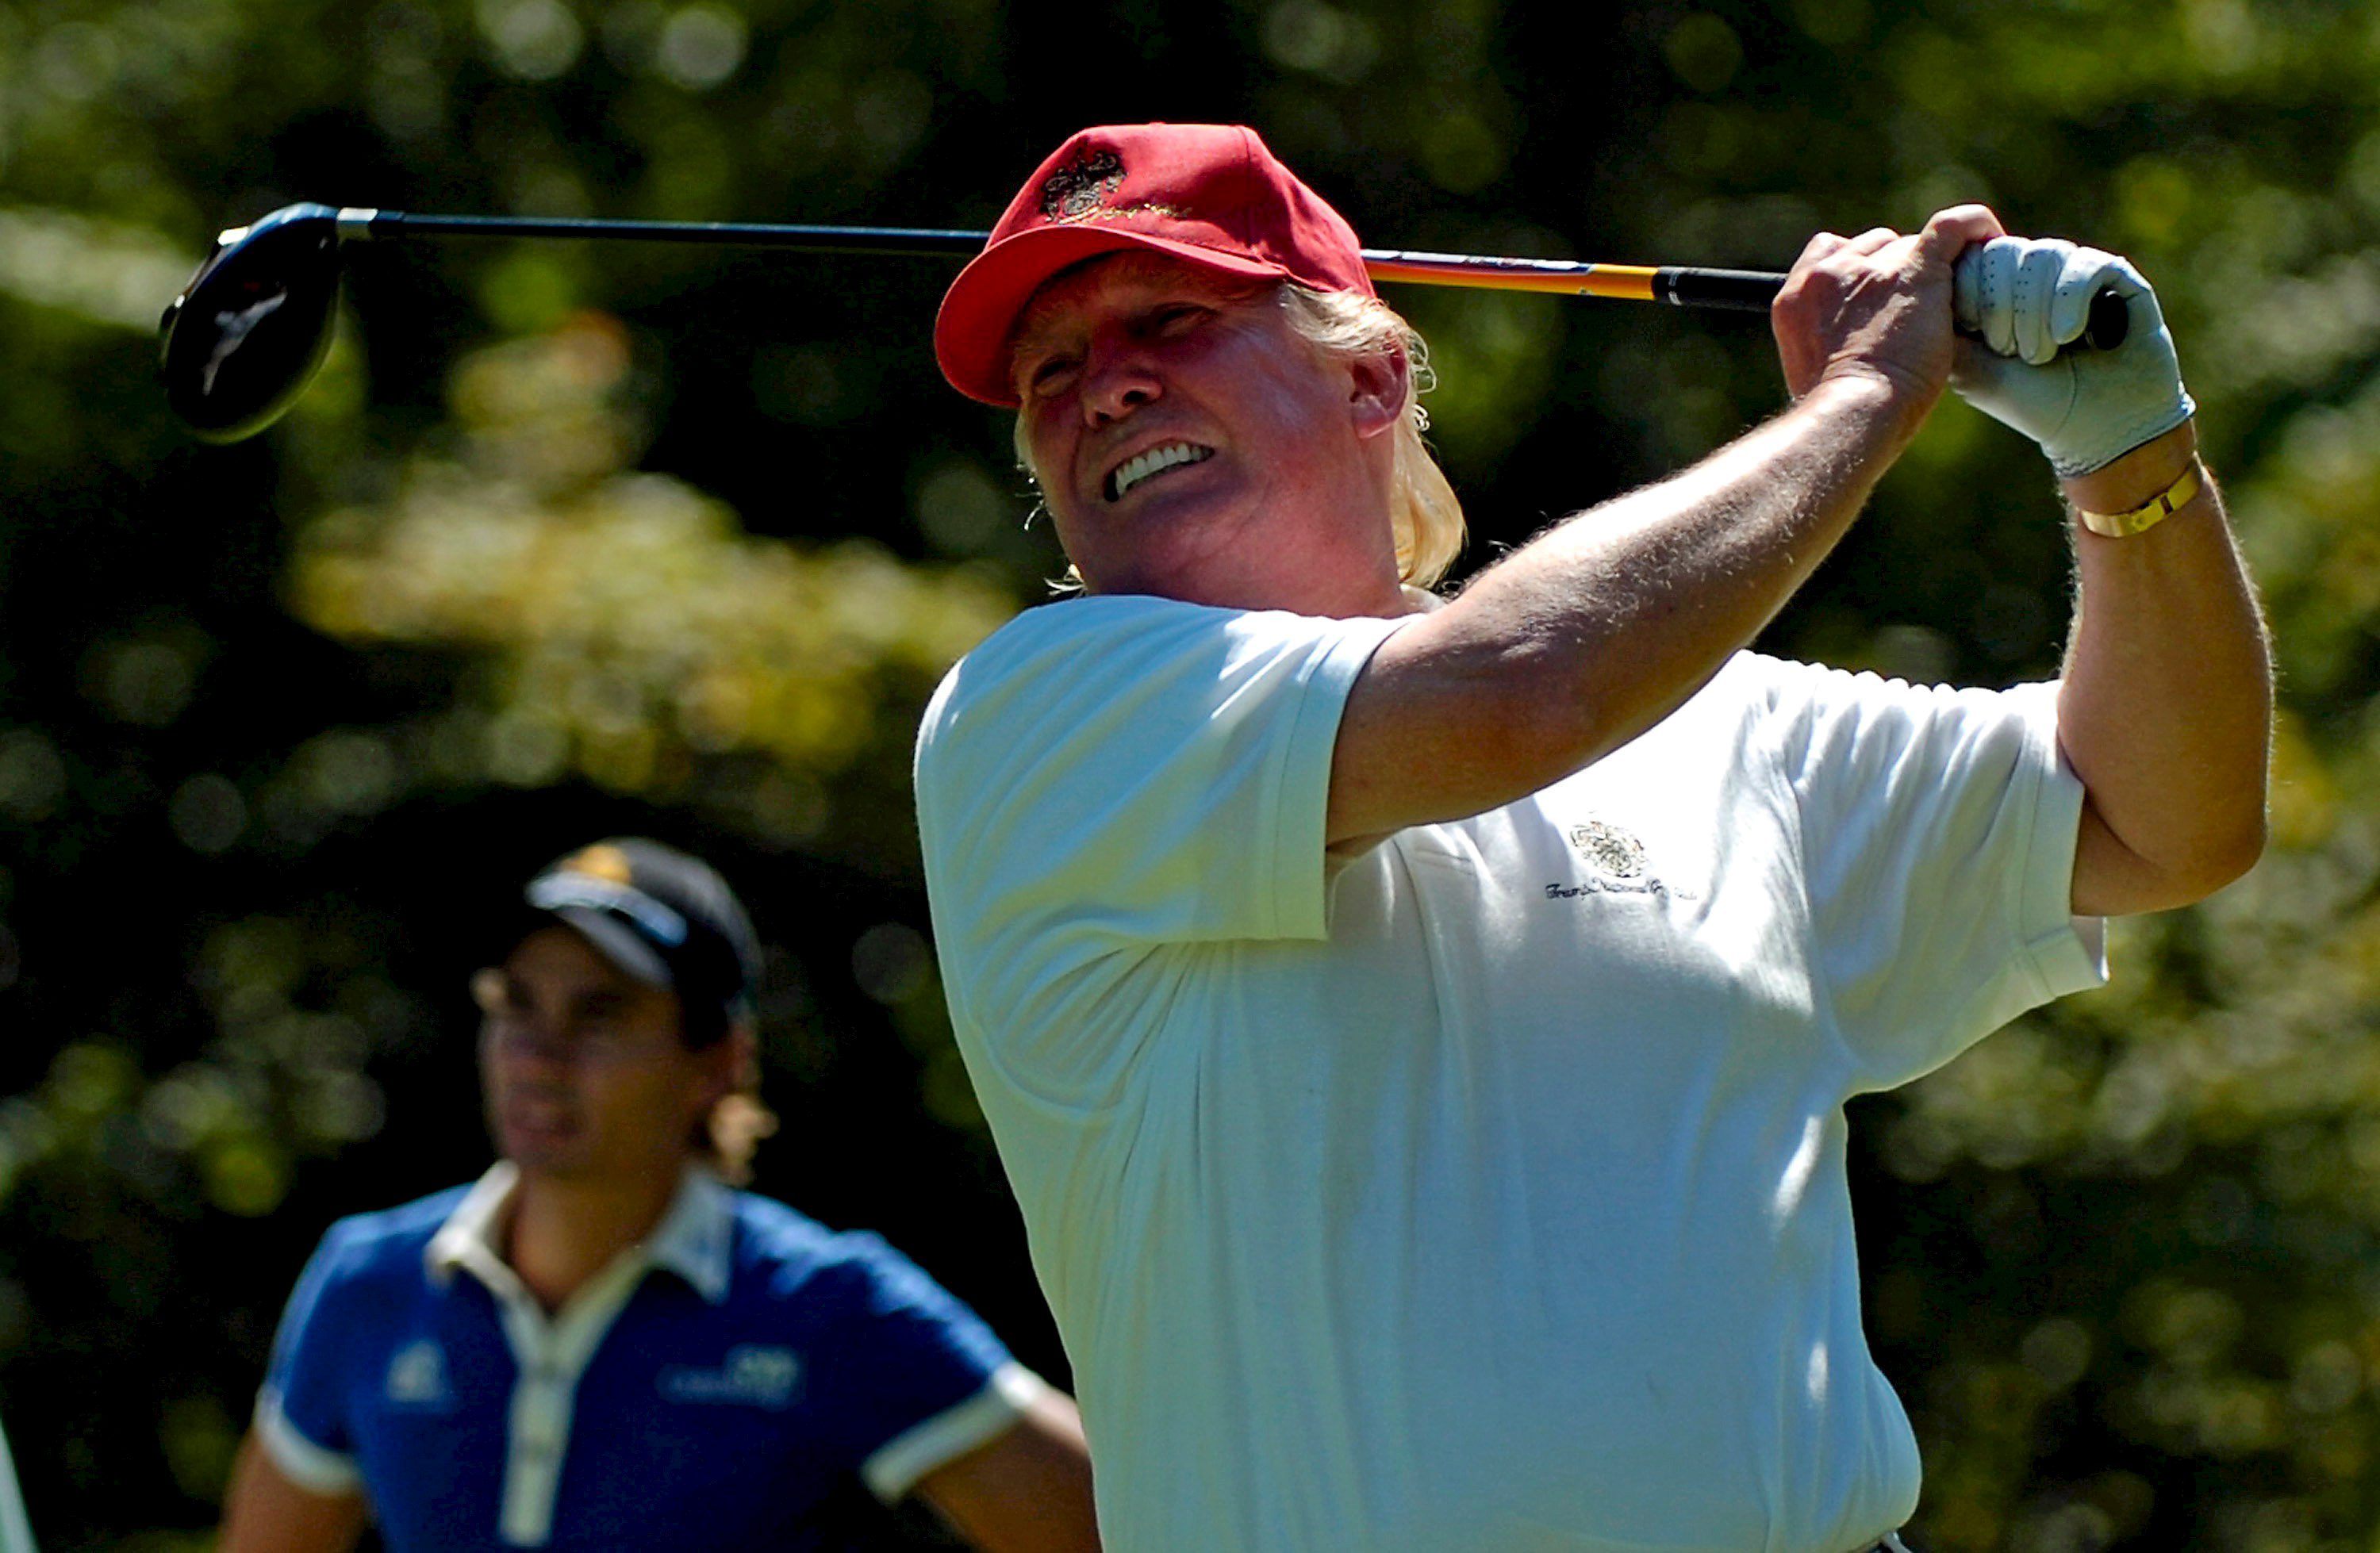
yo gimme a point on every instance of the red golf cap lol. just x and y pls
(1213, 194)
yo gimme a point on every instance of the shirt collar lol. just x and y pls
(694, 1239)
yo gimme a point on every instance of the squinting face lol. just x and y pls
(1190, 444)
(583, 1073)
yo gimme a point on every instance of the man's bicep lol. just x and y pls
(1437, 726)
(267, 1512)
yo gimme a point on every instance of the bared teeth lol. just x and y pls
(1138, 468)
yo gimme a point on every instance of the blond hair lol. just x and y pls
(1421, 506)
(1423, 509)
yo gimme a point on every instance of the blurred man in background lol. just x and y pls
(1418, 1030)
(602, 1346)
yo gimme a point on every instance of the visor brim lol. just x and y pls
(977, 321)
(619, 943)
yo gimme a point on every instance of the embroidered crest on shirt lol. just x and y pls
(1615, 865)
(1610, 851)
(417, 1375)
(749, 1377)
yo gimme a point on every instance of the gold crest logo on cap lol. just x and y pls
(1082, 186)
(606, 863)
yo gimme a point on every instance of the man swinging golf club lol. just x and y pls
(1419, 1031)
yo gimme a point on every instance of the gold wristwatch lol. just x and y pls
(2149, 513)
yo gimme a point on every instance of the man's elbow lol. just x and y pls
(2217, 856)
(2236, 852)
(2123, 876)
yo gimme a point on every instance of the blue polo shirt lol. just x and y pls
(708, 1390)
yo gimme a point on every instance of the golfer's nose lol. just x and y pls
(1119, 377)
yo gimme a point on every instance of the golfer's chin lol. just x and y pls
(547, 1147)
(1157, 528)
(1199, 556)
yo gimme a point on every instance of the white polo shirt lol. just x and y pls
(1484, 1190)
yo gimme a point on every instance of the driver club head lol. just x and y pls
(246, 335)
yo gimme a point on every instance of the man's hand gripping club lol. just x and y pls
(1877, 307)
(2025, 300)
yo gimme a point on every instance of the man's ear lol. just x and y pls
(735, 1121)
(732, 1063)
(1380, 388)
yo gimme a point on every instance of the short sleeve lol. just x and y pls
(912, 1378)
(1108, 777)
(301, 1415)
(1937, 829)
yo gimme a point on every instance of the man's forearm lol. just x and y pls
(265, 1512)
(1636, 602)
(1595, 631)
(2166, 712)
(1599, 628)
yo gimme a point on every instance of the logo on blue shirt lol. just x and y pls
(417, 1375)
(749, 1377)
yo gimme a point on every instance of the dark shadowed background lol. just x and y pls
(573, 540)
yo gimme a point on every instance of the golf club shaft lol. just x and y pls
(240, 342)
(1739, 290)
(1743, 290)
(372, 224)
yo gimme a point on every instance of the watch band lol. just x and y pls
(2148, 515)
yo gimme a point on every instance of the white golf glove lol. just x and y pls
(2028, 297)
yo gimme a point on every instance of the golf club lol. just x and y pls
(240, 342)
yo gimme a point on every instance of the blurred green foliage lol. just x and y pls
(572, 540)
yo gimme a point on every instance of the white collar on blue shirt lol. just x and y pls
(694, 1238)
